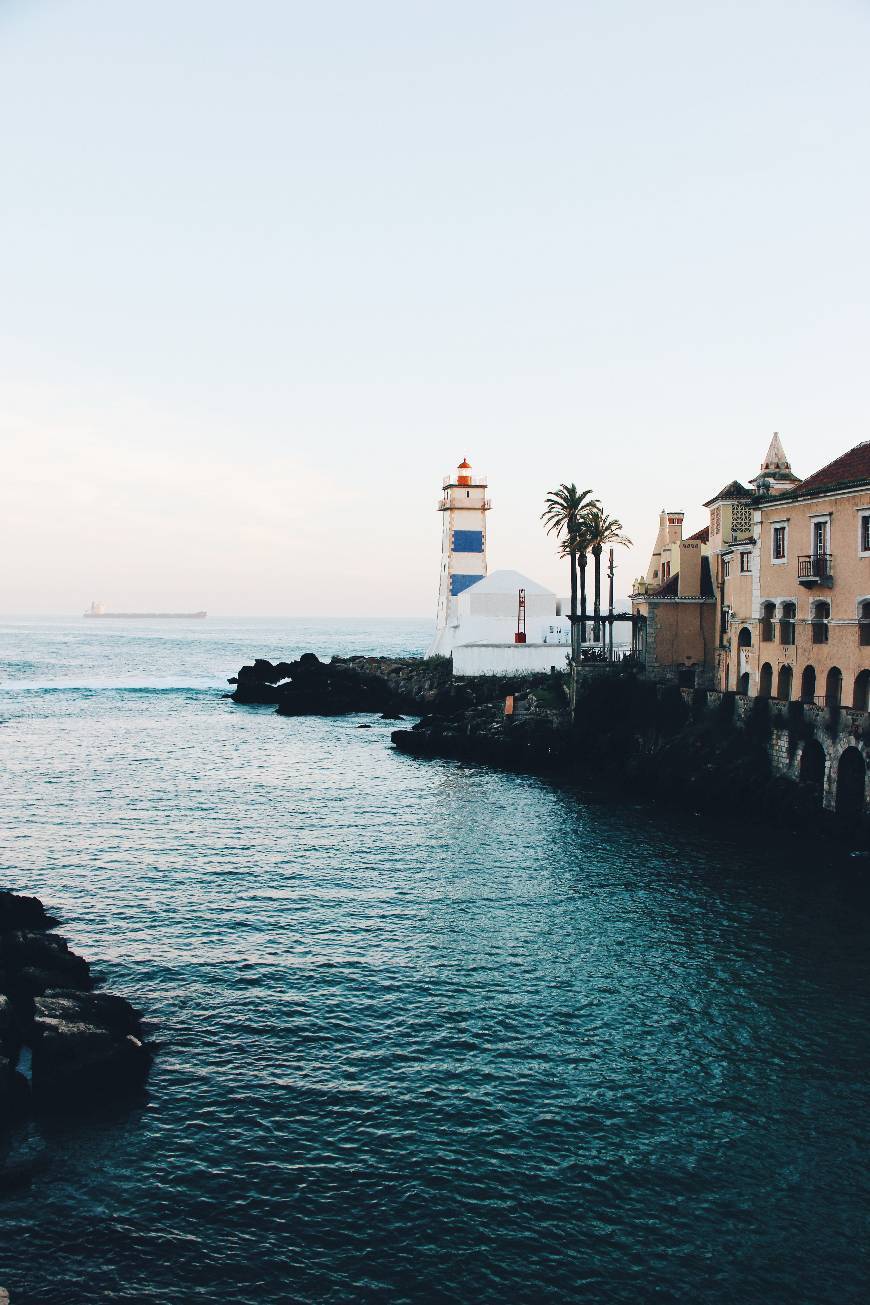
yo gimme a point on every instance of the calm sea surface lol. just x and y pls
(430, 1032)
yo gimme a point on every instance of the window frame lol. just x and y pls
(863, 520)
(745, 567)
(775, 527)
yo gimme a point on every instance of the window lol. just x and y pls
(787, 623)
(820, 537)
(726, 567)
(864, 533)
(821, 616)
(864, 623)
(716, 523)
(726, 621)
(745, 563)
(779, 543)
(768, 613)
(741, 519)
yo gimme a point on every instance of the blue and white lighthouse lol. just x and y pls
(464, 506)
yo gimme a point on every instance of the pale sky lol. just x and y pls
(269, 270)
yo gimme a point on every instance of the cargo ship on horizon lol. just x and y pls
(98, 610)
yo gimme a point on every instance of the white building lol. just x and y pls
(480, 616)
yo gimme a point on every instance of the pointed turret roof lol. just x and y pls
(776, 468)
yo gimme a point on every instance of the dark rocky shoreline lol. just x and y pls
(628, 734)
(85, 1046)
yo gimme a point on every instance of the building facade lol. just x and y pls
(794, 617)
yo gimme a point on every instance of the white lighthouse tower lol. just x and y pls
(463, 549)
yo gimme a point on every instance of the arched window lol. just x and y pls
(851, 783)
(808, 684)
(861, 692)
(783, 683)
(812, 768)
(765, 681)
(743, 683)
(821, 616)
(864, 623)
(834, 687)
(786, 623)
(768, 622)
(744, 639)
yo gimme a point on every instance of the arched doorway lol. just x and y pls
(744, 643)
(861, 692)
(765, 681)
(783, 683)
(851, 783)
(808, 684)
(768, 622)
(834, 687)
(812, 768)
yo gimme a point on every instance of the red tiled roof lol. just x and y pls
(703, 535)
(848, 469)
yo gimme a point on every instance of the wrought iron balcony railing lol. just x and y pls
(817, 568)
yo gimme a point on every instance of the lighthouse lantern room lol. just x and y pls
(464, 506)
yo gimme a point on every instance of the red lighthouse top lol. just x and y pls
(464, 469)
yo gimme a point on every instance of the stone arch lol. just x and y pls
(768, 622)
(861, 691)
(744, 638)
(765, 681)
(821, 615)
(812, 767)
(784, 682)
(787, 619)
(834, 687)
(851, 783)
(808, 684)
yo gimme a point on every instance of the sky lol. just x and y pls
(269, 271)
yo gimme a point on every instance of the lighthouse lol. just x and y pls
(463, 506)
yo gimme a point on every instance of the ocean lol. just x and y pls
(428, 1032)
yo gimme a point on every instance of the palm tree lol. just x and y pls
(564, 513)
(603, 530)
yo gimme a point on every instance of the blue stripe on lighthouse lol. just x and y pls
(468, 541)
(460, 582)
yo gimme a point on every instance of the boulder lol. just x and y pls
(17, 912)
(76, 1062)
(100, 1008)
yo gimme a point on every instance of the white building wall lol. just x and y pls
(508, 659)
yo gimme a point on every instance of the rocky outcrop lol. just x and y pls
(85, 1045)
(528, 729)
(311, 687)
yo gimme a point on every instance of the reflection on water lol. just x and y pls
(430, 1032)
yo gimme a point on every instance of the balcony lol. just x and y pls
(817, 569)
(444, 505)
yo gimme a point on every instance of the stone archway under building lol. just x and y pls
(851, 783)
(812, 767)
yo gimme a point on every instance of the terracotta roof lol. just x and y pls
(703, 534)
(852, 468)
(671, 587)
(731, 492)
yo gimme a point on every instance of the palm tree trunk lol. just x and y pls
(583, 561)
(574, 606)
(596, 627)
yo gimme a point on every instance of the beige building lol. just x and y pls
(793, 587)
(676, 605)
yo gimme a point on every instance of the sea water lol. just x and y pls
(428, 1032)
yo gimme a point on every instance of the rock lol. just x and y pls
(35, 961)
(17, 912)
(363, 727)
(76, 1062)
(100, 1008)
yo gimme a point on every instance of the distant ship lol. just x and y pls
(97, 609)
